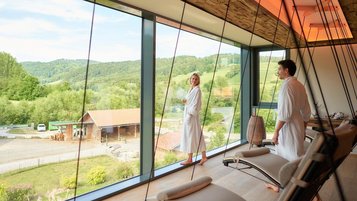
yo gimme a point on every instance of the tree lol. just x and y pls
(15, 82)
(218, 139)
(57, 106)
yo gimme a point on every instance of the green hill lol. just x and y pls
(73, 71)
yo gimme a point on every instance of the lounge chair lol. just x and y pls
(279, 170)
(322, 159)
(300, 179)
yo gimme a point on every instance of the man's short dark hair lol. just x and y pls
(289, 64)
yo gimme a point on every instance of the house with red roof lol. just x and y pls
(104, 125)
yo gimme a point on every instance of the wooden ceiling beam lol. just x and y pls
(308, 10)
(333, 24)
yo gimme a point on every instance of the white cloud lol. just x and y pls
(41, 37)
(68, 9)
(47, 30)
(43, 50)
(190, 44)
(116, 52)
(29, 27)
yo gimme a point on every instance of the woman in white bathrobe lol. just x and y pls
(293, 114)
(192, 140)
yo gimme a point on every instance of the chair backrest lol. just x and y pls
(322, 158)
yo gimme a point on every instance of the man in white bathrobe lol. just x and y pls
(293, 114)
(192, 140)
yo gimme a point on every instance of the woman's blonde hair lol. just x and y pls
(198, 76)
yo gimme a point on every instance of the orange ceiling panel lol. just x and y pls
(320, 19)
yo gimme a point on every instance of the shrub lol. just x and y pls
(96, 175)
(170, 158)
(3, 193)
(159, 164)
(20, 193)
(136, 167)
(68, 182)
(124, 171)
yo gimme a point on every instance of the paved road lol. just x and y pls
(47, 134)
(28, 150)
(33, 162)
(21, 151)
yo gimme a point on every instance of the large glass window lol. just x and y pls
(269, 86)
(43, 62)
(219, 86)
(69, 126)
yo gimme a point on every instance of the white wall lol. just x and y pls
(328, 76)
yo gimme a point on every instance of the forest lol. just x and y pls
(39, 92)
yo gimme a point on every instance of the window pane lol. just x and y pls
(221, 121)
(43, 59)
(113, 98)
(269, 117)
(269, 86)
(268, 80)
(194, 54)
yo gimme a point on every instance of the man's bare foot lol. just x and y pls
(272, 187)
(186, 162)
(203, 160)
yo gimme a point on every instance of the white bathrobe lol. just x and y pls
(191, 123)
(294, 109)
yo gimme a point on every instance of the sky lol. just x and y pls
(39, 30)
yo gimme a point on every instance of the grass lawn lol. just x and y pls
(47, 178)
(22, 131)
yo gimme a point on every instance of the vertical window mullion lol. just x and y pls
(246, 89)
(147, 95)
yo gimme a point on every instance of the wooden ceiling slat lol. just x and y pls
(242, 14)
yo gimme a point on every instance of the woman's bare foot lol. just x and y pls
(203, 160)
(272, 187)
(186, 162)
(317, 198)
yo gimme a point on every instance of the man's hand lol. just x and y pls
(275, 138)
(279, 125)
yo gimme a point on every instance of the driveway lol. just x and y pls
(46, 134)
(22, 153)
